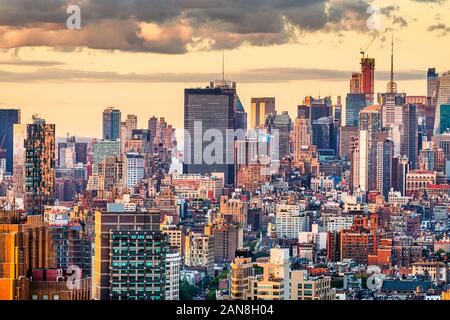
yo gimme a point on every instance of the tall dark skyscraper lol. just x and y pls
(410, 141)
(353, 105)
(210, 109)
(432, 77)
(112, 119)
(39, 166)
(8, 117)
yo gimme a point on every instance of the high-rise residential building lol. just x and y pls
(131, 123)
(370, 120)
(432, 77)
(384, 148)
(345, 139)
(8, 118)
(444, 115)
(130, 256)
(260, 109)
(25, 244)
(275, 282)
(111, 173)
(112, 119)
(39, 166)
(152, 125)
(400, 168)
(135, 169)
(354, 103)
(199, 252)
(442, 97)
(242, 278)
(392, 104)
(354, 162)
(228, 237)
(173, 270)
(364, 160)
(301, 135)
(368, 78)
(211, 109)
(355, 83)
(409, 145)
(280, 127)
(20, 135)
(103, 149)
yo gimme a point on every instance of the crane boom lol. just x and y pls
(363, 52)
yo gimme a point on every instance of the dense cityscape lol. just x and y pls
(346, 200)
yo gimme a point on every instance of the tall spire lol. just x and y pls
(392, 86)
(392, 59)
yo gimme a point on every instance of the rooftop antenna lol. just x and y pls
(392, 61)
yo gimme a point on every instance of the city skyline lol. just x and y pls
(67, 79)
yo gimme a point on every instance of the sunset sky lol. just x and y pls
(140, 55)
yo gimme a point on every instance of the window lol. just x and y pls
(45, 297)
(56, 297)
(34, 297)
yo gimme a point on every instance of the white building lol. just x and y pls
(290, 221)
(135, 169)
(173, 267)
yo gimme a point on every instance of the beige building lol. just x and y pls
(304, 287)
(199, 252)
(275, 284)
(243, 280)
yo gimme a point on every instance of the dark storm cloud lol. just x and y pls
(173, 26)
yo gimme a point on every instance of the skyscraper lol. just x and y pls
(130, 255)
(432, 77)
(135, 168)
(210, 110)
(409, 146)
(442, 97)
(103, 149)
(131, 124)
(152, 125)
(384, 161)
(323, 134)
(355, 83)
(368, 78)
(282, 123)
(353, 105)
(8, 117)
(20, 135)
(39, 166)
(370, 120)
(445, 118)
(111, 123)
(260, 109)
(301, 136)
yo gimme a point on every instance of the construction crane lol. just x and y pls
(363, 52)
